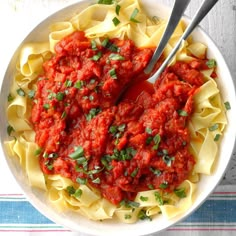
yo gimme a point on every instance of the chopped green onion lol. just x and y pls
(10, 98)
(180, 192)
(78, 193)
(46, 106)
(214, 127)
(227, 106)
(168, 160)
(10, 129)
(155, 171)
(45, 155)
(113, 129)
(157, 140)
(97, 180)
(150, 186)
(63, 115)
(94, 45)
(106, 2)
(128, 216)
(68, 83)
(143, 199)
(92, 113)
(38, 151)
(79, 152)
(217, 137)
(60, 96)
(149, 140)
(118, 9)
(164, 185)
(182, 113)
(158, 198)
(31, 94)
(20, 92)
(74, 192)
(148, 130)
(48, 165)
(133, 15)
(142, 215)
(211, 63)
(116, 21)
(81, 180)
(112, 73)
(135, 172)
(79, 84)
(129, 204)
(105, 42)
(70, 190)
(116, 57)
(121, 127)
(97, 56)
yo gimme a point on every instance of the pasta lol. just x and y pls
(207, 122)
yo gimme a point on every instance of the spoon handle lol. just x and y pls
(175, 16)
(203, 10)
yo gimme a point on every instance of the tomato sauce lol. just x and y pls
(140, 144)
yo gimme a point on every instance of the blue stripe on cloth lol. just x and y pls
(216, 211)
(20, 212)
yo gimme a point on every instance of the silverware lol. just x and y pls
(203, 10)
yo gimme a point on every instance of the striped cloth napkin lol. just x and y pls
(217, 216)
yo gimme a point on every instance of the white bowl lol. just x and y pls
(205, 186)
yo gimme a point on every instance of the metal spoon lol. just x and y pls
(203, 10)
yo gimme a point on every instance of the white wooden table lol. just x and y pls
(17, 17)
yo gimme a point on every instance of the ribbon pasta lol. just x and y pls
(208, 112)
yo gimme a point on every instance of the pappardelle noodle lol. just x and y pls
(123, 19)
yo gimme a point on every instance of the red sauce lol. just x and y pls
(140, 144)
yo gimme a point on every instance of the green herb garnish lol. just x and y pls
(20, 92)
(133, 15)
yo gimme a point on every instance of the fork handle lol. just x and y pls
(175, 16)
(203, 10)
